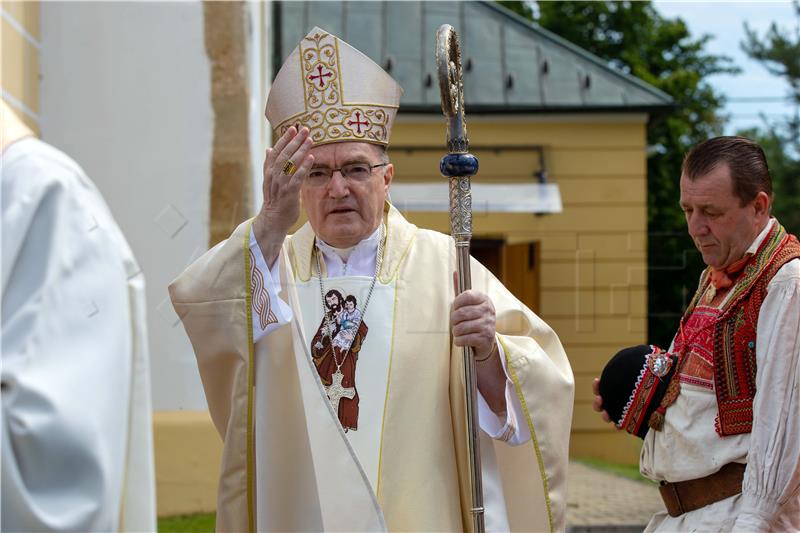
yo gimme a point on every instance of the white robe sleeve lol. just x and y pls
(514, 428)
(269, 311)
(67, 348)
(773, 462)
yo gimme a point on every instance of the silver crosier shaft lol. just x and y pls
(458, 166)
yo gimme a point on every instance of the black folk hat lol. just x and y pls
(632, 385)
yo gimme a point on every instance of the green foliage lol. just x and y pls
(779, 51)
(634, 38)
(785, 170)
(520, 8)
(196, 523)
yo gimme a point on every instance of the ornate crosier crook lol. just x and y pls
(459, 165)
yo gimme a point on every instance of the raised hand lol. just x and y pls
(285, 166)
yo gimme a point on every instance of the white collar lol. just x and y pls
(761, 236)
(368, 244)
(358, 260)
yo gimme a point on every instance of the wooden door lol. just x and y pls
(515, 265)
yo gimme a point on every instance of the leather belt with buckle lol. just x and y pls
(684, 496)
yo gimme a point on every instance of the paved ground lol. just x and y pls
(601, 502)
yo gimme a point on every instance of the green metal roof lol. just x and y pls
(510, 64)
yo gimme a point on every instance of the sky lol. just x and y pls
(724, 21)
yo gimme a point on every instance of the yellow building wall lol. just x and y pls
(593, 255)
(20, 43)
(187, 456)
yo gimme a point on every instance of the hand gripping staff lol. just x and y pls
(459, 165)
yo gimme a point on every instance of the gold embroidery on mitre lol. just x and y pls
(319, 57)
(359, 123)
(326, 115)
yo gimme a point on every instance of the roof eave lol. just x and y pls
(560, 41)
(504, 109)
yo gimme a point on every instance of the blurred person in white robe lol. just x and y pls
(76, 418)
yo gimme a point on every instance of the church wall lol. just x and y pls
(126, 90)
(593, 277)
(20, 44)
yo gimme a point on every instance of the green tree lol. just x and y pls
(634, 38)
(779, 52)
(784, 167)
(520, 8)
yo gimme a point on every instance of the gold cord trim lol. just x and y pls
(534, 440)
(251, 521)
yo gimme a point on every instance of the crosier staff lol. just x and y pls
(459, 165)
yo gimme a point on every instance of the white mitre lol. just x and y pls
(334, 90)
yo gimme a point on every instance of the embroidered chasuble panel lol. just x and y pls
(351, 349)
(698, 331)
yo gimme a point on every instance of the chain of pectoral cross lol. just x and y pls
(336, 391)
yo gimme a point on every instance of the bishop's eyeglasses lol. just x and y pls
(356, 172)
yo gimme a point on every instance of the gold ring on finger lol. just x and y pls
(289, 168)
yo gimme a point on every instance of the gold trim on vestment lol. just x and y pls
(383, 277)
(393, 275)
(293, 260)
(534, 440)
(251, 522)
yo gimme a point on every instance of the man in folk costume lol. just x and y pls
(254, 303)
(77, 444)
(723, 440)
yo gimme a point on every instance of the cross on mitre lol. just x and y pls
(359, 122)
(336, 391)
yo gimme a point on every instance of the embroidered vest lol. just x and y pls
(734, 338)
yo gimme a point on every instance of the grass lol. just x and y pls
(195, 523)
(627, 471)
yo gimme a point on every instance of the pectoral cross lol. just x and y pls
(336, 391)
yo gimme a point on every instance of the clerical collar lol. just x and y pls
(355, 260)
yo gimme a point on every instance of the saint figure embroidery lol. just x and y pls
(335, 349)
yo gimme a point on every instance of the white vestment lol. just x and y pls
(355, 274)
(689, 447)
(76, 419)
(287, 463)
